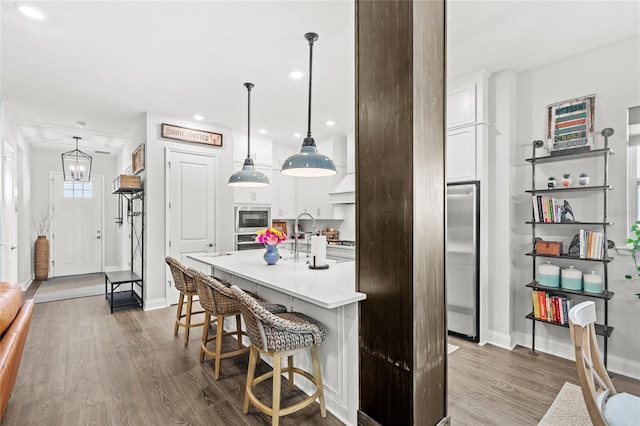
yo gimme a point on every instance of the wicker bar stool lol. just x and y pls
(187, 287)
(219, 302)
(279, 336)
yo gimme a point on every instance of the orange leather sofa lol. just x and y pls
(15, 318)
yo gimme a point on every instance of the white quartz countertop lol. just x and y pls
(328, 288)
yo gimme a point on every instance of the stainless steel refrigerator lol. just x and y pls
(463, 270)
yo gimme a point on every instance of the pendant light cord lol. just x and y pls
(249, 86)
(310, 72)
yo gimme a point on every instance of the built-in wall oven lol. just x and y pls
(248, 220)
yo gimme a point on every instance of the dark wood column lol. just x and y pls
(400, 209)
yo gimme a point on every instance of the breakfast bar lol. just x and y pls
(327, 295)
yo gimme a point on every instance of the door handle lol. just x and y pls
(14, 247)
(210, 244)
(98, 237)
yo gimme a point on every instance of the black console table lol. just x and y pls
(122, 298)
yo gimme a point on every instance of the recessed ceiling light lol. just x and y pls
(296, 74)
(296, 135)
(32, 12)
(263, 131)
(198, 117)
(80, 123)
(330, 123)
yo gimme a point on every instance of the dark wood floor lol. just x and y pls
(83, 366)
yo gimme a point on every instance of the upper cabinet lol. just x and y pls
(261, 152)
(467, 131)
(283, 187)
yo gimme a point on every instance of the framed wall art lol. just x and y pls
(570, 126)
(137, 160)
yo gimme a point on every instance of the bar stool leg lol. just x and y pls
(187, 326)
(239, 331)
(277, 378)
(251, 372)
(205, 334)
(219, 333)
(178, 313)
(290, 365)
(318, 377)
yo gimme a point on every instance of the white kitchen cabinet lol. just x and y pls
(261, 152)
(259, 195)
(461, 104)
(461, 154)
(283, 189)
(312, 194)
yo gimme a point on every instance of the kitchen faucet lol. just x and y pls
(296, 253)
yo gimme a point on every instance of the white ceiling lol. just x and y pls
(107, 63)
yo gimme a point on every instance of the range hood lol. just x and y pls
(345, 191)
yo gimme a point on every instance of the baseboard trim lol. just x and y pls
(159, 303)
(502, 340)
(615, 364)
(25, 284)
(111, 269)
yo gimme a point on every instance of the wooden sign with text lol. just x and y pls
(191, 135)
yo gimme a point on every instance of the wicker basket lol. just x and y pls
(126, 181)
(42, 258)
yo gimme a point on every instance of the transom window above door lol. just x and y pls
(78, 189)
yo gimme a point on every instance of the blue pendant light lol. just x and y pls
(248, 176)
(309, 162)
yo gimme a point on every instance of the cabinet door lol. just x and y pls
(461, 105)
(461, 154)
(283, 190)
(261, 152)
(312, 196)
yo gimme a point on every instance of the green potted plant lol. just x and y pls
(633, 244)
(551, 183)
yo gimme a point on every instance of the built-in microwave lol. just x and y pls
(252, 218)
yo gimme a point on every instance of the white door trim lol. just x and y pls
(167, 197)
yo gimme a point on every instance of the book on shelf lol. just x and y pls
(551, 308)
(546, 209)
(591, 244)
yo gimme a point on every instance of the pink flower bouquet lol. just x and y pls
(270, 236)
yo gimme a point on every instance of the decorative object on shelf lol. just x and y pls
(592, 282)
(570, 126)
(553, 248)
(583, 180)
(551, 183)
(549, 274)
(41, 249)
(309, 162)
(126, 182)
(270, 237)
(137, 159)
(184, 134)
(76, 165)
(571, 279)
(566, 181)
(248, 176)
(566, 213)
(574, 247)
(633, 244)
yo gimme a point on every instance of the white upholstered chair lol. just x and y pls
(605, 405)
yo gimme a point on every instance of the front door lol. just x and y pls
(77, 226)
(9, 221)
(191, 208)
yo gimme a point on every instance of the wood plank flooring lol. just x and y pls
(84, 366)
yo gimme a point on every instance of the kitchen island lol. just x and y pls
(328, 295)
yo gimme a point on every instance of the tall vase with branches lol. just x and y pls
(42, 224)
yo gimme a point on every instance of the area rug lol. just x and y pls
(70, 287)
(568, 409)
(451, 348)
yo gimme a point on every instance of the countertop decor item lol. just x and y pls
(271, 237)
(76, 165)
(248, 176)
(309, 162)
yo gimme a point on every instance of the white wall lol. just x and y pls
(45, 161)
(155, 203)
(611, 73)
